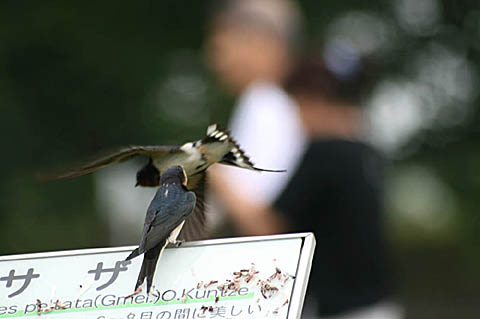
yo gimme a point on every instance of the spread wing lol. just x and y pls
(236, 155)
(162, 219)
(194, 227)
(120, 155)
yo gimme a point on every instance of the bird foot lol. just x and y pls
(178, 243)
(154, 292)
(136, 292)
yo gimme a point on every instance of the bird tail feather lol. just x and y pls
(149, 265)
(133, 254)
(236, 157)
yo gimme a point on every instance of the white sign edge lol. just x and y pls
(302, 273)
(228, 240)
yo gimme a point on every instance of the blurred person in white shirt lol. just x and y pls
(251, 47)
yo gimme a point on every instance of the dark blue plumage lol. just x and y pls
(195, 157)
(170, 207)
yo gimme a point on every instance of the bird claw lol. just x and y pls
(136, 292)
(154, 292)
(175, 243)
(178, 243)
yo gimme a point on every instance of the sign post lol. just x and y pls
(247, 277)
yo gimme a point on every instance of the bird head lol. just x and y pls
(149, 175)
(174, 175)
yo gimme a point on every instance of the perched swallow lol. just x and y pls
(166, 215)
(216, 147)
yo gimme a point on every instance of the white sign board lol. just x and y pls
(249, 277)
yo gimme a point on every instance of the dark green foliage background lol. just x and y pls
(77, 77)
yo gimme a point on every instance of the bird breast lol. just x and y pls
(215, 152)
(189, 157)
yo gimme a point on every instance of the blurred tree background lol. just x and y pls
(78, 77)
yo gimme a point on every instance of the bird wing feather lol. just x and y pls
(162, 219)
(114, 157)
(234, 156)
(195, 226)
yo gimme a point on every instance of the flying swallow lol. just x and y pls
(216, 147)
(166, 215)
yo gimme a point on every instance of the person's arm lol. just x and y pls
(249, 217)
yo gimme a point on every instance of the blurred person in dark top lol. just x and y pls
(336, 192)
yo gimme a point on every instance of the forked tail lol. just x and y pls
(236, 157)
(149, 264)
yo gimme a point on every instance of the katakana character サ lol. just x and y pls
(27, 279)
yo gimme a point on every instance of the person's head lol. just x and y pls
(252, 40)
(329, 88)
